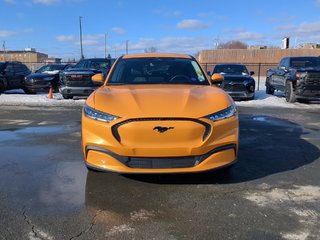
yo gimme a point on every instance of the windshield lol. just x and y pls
(50, 67)
(305, 62)
(98, 64)
(157, 71)
(231, 69)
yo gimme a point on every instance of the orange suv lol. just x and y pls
(159, 113)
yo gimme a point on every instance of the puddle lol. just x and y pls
(261, 119)
(19, 133)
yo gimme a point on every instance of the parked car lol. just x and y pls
(298, 77)
(237, 81)
(44, 78)
(12, 75)
(77, 80)
(159, 113)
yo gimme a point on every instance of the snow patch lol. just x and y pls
(120, 230)
(37, 234)
(142, 214)
(301, 201)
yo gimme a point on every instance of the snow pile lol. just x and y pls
(19, 98)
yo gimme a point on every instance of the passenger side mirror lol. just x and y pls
(216, 78)
(98, 78)
(251, 73)
(282, 68)
(209, 73)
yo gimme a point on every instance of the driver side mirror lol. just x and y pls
(282, 68)
(216, 78)
(98, 79)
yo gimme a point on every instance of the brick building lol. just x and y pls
(29, 56)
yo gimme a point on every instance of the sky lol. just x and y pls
(178, 26)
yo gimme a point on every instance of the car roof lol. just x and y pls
(230, 64)
(156, 55)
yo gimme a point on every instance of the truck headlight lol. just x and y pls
(301, 75)
(97, 115)
(223, 114)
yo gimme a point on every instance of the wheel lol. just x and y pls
(67, 96)
(28, 92)
(289, 92)
(269, 88)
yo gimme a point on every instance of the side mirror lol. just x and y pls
(251, 73)
(209, 73)
(216, 78)
(282, 68)
(98, 78)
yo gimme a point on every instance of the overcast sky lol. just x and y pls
(180, 26)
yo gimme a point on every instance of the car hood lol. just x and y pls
(82, 71)
(236, 78)
(39, 75)
(159, 100)
(309, 69)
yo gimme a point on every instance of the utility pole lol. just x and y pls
(127, 46)
(105, 45)
(81, 55)
(4, 50)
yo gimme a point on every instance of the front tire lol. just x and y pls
(67, 96)
(269, 88)
(289, 92)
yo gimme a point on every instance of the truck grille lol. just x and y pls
(234, 87)
(77, 80)
(313, 79)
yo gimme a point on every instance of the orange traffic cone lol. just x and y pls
(50, 95)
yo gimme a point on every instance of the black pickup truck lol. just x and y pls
(298, 77)
(77, 81)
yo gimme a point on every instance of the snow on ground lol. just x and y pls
(277, 100)
(19, 98)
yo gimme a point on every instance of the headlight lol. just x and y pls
(301, 75)
(97, 115)
(226, 113)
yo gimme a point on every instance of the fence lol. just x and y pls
(259, 69)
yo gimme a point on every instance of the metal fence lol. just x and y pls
(259, 69)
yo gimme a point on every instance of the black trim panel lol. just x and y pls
(116, 134)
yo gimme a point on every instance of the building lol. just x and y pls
(310, 45)
(29, 56)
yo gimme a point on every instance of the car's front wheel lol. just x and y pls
(67, 96)
(269, 88)
(289, 92)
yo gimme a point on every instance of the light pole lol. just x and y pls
(81, 54)
(127, 46)
(105, 45)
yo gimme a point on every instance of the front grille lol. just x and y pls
(116, 126)
(234, 87)
(313, 79)
(76, 80)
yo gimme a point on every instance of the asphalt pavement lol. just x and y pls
(46, 192)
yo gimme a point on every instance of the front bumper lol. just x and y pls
(310, 93)
(76, 91)
(241, 95)
(171, 152)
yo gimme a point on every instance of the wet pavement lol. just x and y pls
(46, 192)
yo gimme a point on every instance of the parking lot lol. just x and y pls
(273, 192)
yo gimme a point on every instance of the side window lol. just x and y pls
(281, 64)
(81, 64)
(287, 63)
(9, 69)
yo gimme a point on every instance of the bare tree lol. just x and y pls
(233, 45)
(150, 50)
